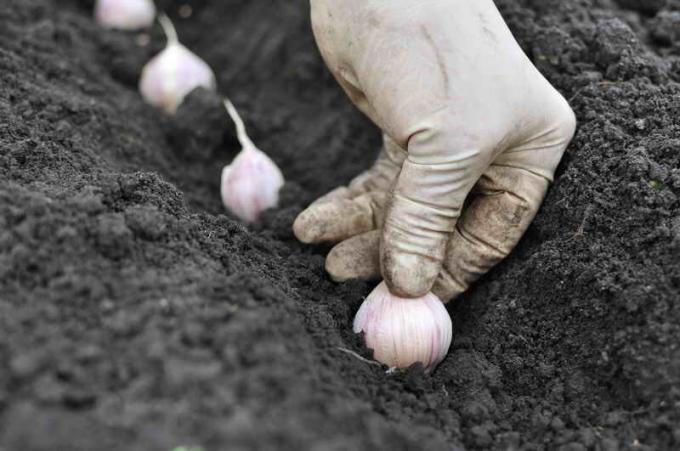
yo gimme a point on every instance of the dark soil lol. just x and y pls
(136, 315)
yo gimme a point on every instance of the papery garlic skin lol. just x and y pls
(172, 74)
(125, 14)
(251, 183)
(403, 331)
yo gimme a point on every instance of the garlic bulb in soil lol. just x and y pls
(251, 183)
(125, 14)
(402, 331)
(175, 72)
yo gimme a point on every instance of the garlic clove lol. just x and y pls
(252, 182)
(125, 14)
(172, 74)
(403, 331)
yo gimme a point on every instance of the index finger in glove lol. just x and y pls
(339, 219)
(352, 210)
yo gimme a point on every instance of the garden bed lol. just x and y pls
(135, 314)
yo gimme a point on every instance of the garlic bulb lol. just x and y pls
(175, 72)
(402, 331)
(125, 14)
(251, 183)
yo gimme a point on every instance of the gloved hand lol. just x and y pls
(473, 135)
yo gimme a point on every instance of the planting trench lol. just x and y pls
(136, 314)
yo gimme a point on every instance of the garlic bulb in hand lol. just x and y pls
(251, 183)
(125, 14)
(175, 72)
(403, 331)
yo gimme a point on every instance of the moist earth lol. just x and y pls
(136, 314)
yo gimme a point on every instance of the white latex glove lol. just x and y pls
(461, 107)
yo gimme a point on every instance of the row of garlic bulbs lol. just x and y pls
(252, 182)
(400, 331)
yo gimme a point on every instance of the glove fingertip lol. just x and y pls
(337, 268)
(409, 275)
(355, 258)
(305, 227)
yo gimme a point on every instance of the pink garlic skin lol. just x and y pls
(125, 14)
(402, 331)
(251, 184)
(171, 75)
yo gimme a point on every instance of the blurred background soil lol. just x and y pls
(135, 314)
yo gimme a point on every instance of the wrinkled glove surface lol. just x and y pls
(473, 134)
